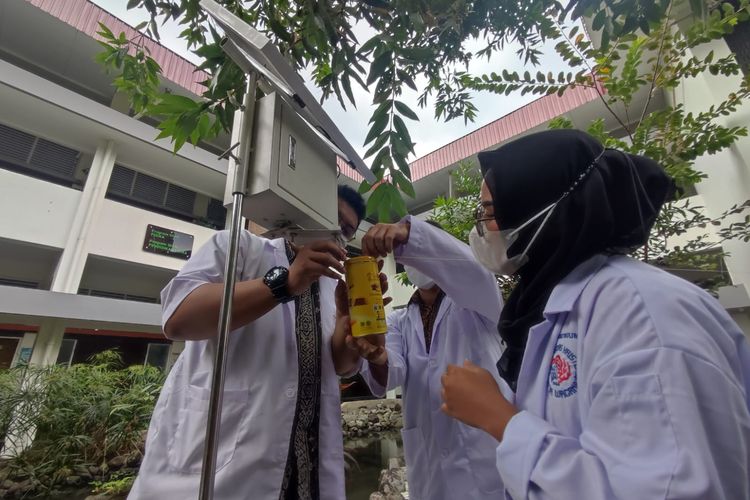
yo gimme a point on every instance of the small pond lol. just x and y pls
(370, 455)
(366, 458)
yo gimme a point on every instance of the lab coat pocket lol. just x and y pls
(642, 432)
(185, 450)
(481, 450)
(415, 456)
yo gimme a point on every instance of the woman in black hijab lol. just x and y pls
(610, 200)
(598, 346)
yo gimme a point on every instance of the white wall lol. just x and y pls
(728, 181)
(120, 229)
(35, 211)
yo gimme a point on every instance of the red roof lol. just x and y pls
(85, 16)
(514, 123)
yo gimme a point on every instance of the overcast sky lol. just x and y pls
(428, 134)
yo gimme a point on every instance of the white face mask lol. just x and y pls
(491, 250)
(418, 279)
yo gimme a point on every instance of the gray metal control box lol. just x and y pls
(292, 176)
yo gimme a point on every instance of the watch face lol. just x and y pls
(276, 273)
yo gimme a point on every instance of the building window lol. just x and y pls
(36, 157)
(18, 283)
(117, 295)
(144, 191)
(67, 348)
(157, 355)
(739, 42)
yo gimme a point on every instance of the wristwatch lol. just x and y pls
(276, 279)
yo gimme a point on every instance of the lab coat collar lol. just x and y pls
(566, 293)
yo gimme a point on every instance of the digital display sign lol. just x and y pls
(168, 242)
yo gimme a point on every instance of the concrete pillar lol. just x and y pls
(24, 347)
(174, 352)
(48, 341)
(69, 270)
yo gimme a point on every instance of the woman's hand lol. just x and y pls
(471, 395)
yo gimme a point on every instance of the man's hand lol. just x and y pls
(471, 395)
(369, 347)
(381, 239)
(317, 259)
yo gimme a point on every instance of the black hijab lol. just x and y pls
(608, 202)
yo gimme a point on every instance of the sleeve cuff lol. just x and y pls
(415, 237)
(518, 452)
(375, 387)
(357, 369)
(172, 296)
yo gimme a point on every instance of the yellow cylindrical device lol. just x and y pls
(366, 310)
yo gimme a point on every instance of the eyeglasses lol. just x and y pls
(480, 219)
(348, 232)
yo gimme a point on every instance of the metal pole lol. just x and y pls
(239, 185)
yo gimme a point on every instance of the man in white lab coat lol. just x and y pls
(450, 318)
(280, 432)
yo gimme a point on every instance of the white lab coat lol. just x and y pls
(445, 459)
(259, 395)
(636, 387)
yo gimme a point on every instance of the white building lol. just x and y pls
(81, 182)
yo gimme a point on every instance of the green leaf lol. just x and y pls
(376, 129)
(105, 32)
(406, 111)
(395, 203)
(404, 76)
(403, 165)
(379, 142)
(403, 183)
(376, 198)
(401, 129)
(379, 65)
(364, 187)
(348, 89)
(173, 104)
(370, 44)
(378, 161)
(598, 22)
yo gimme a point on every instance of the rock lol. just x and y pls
(72, 480)
(396, 462)
(117, 463)
(94, 471)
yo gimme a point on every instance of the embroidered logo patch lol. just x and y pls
(562, 373)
